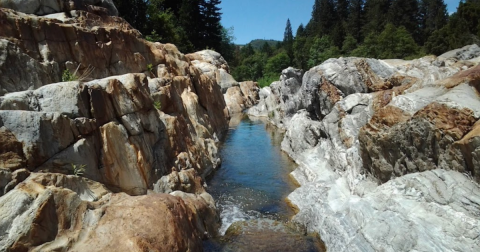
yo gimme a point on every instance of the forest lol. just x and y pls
(402, 29)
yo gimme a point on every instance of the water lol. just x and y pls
(250, 190)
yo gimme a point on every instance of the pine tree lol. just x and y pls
(405, 13)
(323, 18)
(288, 40)
(432, 16)
(134, 12)
(300, 53)
(355, 19)
(375, 16)
(211, 32)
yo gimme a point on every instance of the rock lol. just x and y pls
(383, 157)
(266, 235)
(138, 116)
(57, 212)
(41, 8)
(421, 211)
(67, 45)
(465, 53)
(235, 100)
(420, 136)
(250, 90)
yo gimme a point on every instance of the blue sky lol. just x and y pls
(266, 19)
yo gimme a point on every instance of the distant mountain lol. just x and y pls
(258, 43)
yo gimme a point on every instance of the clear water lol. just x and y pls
(250, 188)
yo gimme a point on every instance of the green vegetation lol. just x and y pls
(191, 25)
(257, 44)
(78, 170)
(403, 29)
(367, 28)
(68, 76)
(157, 105)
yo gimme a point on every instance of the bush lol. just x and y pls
(267, 80)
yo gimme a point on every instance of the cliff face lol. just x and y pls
(387, 150)
(139, 120)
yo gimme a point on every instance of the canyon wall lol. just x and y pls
(115, 156)
(387, 150)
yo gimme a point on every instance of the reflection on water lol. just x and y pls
(252, 185)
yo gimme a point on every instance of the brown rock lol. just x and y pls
(11, 151)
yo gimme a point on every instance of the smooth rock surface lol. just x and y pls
(387, 151)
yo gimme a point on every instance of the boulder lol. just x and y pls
(56, 212)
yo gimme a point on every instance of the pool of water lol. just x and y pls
(250, 190)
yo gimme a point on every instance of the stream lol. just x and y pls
(250, 190)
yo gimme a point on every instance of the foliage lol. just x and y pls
(78, 170)
(191, 25)
(277, 63)
(257, 44)
(68, 76)
(288, 41)
(157, 105)
(321, 50)
(365, 28)
(266, 80)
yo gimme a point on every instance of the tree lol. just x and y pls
(349, 44)
(396, 43)
(267, 49)
(211, 30)
(300, 52)
(288, 40)
(276, 64)
(375, 16)
(321, 50)
(323, 18)
(355, 19)
(405, 13)
(134, 12)
(432, 16)
(227, 48)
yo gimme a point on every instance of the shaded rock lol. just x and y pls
(267, 235)
(40, 8)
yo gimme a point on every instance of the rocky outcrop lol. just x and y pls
(56, 212)
(241, 97)
(387, 151)
(45, 7)
(115, 158)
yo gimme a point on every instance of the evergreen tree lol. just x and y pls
(267, 49)
(375, 16)
(134, 12)
(355, 19)
(300, 52)
(321, 50)
(323, 18)
(405, 13)
(432, 16)
(211, 32)
(288, 40)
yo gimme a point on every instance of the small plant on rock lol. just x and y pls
(67, 76)
(78, 170)
(157, 105)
